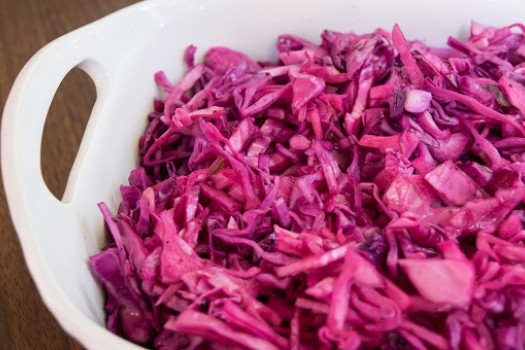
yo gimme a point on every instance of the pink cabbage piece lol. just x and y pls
(445, 282)
(417, 101)
(362, 192)
(453, 186)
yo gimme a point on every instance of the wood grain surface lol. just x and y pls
(26, 26)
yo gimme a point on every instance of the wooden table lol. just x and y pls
(25, 26)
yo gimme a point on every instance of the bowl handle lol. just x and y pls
(26, 110)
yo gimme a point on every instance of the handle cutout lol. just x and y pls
(64, 128)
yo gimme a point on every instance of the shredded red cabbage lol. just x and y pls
(366, 192)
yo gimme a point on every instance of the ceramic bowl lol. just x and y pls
(121, 52)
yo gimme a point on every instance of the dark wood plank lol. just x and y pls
(25, 26)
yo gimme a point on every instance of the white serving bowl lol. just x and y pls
(121, 52)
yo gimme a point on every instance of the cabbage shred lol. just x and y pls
(364, 192)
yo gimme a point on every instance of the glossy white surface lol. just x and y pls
(121, 53)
